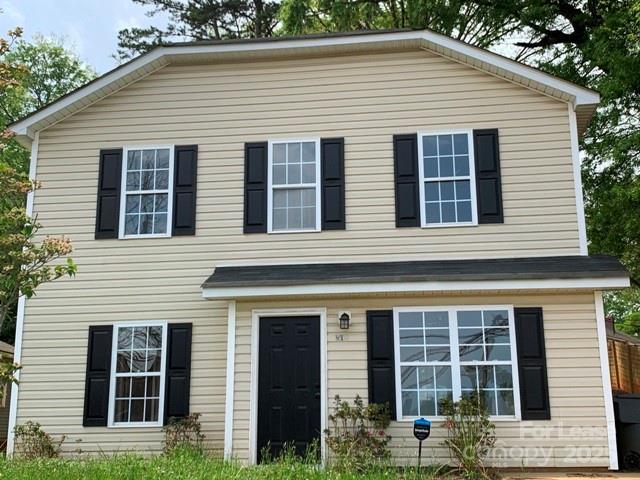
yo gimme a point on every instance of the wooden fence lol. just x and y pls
(624, 364)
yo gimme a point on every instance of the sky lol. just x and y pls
(88, 27)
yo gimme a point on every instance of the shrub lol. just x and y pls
(357, 436)
(470, 435)
(33, 442)
(183, 434)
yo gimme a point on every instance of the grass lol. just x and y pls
(188, 465)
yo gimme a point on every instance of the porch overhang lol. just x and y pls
(596, 272)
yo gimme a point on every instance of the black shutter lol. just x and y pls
(96, 386)
(108, 204)
(184, 190)
(405, 156)
(380, 358)
(532, 364)
(255, 187)
(488, 184)
(178, 371)
(332, 176)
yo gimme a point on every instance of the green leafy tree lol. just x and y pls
(200, 20)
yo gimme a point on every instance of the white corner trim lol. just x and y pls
(577, 180)
(231, 353)
(17, 352)
(161, 56)
(404, 287)
(606, 381)
(253, 395)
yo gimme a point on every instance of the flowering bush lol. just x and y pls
(357, 438)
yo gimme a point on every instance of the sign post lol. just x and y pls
(421, 430)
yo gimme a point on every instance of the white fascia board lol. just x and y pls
(163, 56)
(409, 287)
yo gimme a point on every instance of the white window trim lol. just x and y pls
(123, 192)
(112, 375)
(270, 186)
(472, 180)
(455, 356)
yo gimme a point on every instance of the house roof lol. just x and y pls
(510, 269)
(583, 100)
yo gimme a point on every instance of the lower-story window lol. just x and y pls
(447, 352)
(137, 376)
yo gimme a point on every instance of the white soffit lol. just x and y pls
(582, 99)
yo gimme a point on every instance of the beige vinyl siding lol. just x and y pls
(365, 99)
(575, 436)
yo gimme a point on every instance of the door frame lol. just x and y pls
(256, 314)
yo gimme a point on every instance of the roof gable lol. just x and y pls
(583, 100)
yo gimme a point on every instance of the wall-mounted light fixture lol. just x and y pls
(345, 318)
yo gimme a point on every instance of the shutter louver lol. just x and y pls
(405, 156)
(108, 201)
(184, 190)
(178, 371)
(532, 364)
(97, 380)
(255, 187)
(332, 183)
(380, 359)
(488, 183)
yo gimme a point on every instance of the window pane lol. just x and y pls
(133, 204)
(279, 198)
(446, 191)
(504, 378)
(505, 402)
(425, 375)
(464, 211)
(469, 319)
(146, 203)
(498, 353)
(410, 404)
(133, 160)
(446, 166)
(308, 173)
(488, 398)
(463, 191)
(411, 337)
(153, 360)
(309, 152)
(411, 354)
(133, 181)
(153, 386)
(443, 377)
(293, 151)
(146, 180)
(309, 218)
(279, 174)
(293, 174)
(124, 338)
(138, 361)
(155, 337)
(160, 223)
(442, 396)
(279, 153)
(146, 224)
(429, 146)
(470, 354)
(496, 335)
(438, 354)
(140, 337)
(408, 377)
(427, 402)
(461, 165)
(280, 219)
(131, 224)
(445, 145)
(496, 318)
(162, 179)
(161, 202)
(309, 197)
(469, 335)
(468, 377)
(437, 337)
(448, 212)
(294, 218)
(433, 212)
(137, 411)
(431, 167)
(137, 387)
(436, 319)
(151, 410)
(123, 387)
(123, 362)
(148, 159)
(162, 158)
(294, 198)
(431, 192)
(460, 143)
(485, 377)
(122, 411)
(410, 319)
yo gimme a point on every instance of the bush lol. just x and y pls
(33, 442)
(357, 437)
(470, 436)
(183, 434)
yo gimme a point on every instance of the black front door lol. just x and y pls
(288, 383)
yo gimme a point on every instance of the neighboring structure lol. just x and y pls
(235, 205)
(6, 355)
(624, 360)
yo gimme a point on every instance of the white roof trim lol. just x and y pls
(215, 293)
(161, 56)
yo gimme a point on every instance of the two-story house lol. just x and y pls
(262, 225)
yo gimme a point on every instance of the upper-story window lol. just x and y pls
(146, 202)
(447, 193)
(294, 193)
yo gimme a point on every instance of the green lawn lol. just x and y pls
(183, 465)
